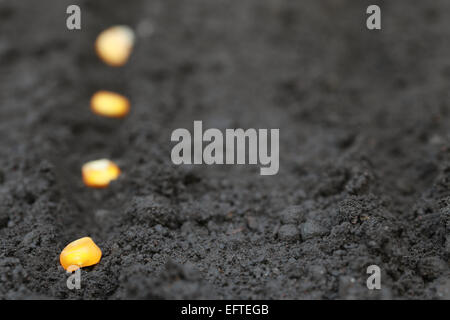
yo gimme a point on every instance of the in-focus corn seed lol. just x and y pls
(99, 173)
(114, 45)
(80, 253)
(110, 104)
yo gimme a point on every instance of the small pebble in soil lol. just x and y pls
(99, 173)
(110, 104)
(80, 253)
(311, 229)
(293, 214)
(114, 45)
(288, 232)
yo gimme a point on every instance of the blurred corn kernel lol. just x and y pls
(114, 45)
(99, 173)
(110, 104)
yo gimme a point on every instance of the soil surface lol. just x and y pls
(364, 150)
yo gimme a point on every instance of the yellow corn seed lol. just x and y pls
(80, 253)
(114, 45)
(110, 104)
(99, 173)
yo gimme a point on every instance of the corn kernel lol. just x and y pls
(114, 45)
(99, 173)
(110, 104)
(80, 253)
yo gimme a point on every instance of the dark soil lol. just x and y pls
(364, 150)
